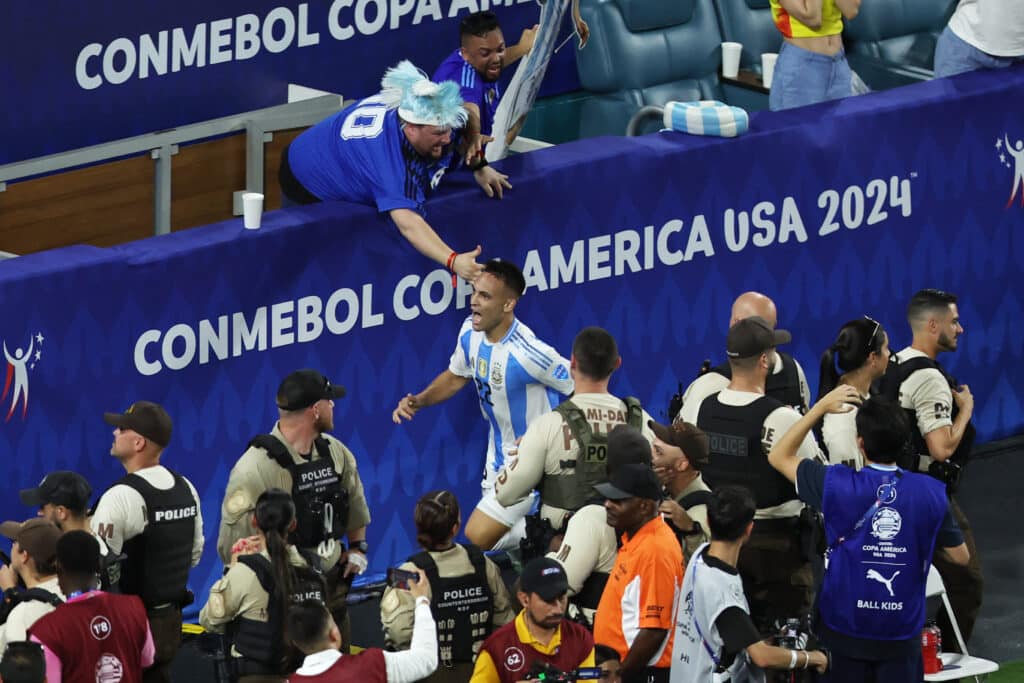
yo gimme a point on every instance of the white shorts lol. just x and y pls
(508, 516)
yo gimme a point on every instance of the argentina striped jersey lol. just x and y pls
(517, 380)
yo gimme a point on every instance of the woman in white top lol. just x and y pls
(859, 356)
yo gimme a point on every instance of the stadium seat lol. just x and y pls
(647, 53)
(749, 22)
(955, 666)
(893, 42)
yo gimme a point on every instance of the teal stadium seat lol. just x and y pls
(645, 52)
(892, 42)
(749, 22)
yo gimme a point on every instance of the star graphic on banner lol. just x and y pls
(39, 355)
(32, 367)
(999, 143)
(1002, 158)
(39, 337)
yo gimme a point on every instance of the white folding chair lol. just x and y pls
(955, 666)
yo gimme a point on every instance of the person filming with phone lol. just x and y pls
(312, 630)
(467, 596)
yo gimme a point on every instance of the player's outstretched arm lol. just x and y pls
(523, 47)
(420, 235)
(492, 182)
(444, 386)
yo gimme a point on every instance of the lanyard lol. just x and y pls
(696, 622)
(885, 494)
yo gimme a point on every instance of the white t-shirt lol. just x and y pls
(993, 26)
(707, 592)
(121, 513)
(778, 422)
(839, 432)
(713, 382)
(27, 613)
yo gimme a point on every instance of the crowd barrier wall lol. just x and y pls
(104, 71)
(837, 211)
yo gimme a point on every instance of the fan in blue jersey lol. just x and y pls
(518, 378)
(390, 151)
(477, 65)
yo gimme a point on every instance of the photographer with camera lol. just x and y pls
(153, 517)
(467, 595)
(940, 412)
(882, 525)
(540, 635)
(714, 631)
(319, 471)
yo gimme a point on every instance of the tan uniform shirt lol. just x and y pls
(589, 546)
(256, 471)
(699, 514)
(397, 605)
(239, 594)
(549, 441)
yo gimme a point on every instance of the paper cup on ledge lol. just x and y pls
(768, 68)
(731, 59)
(252, 209)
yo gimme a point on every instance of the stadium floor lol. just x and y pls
(990, 496)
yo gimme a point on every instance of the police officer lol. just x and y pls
(589, 546)
(786, 382)
(742, 424)
(152, 516)
(564, 453)
(940, 412)
(882, 525)
(678, 454)
(321, 474)
(251, 601)
(467, 595)
(63, 498)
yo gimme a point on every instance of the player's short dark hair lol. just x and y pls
(509, 274)
(307, 625)
(928, 301)
(435, 514)
(478, 24)
(603, 653)
(78, 554)
(730, 510)
(23, 662)
(884, 428)
(596, 352)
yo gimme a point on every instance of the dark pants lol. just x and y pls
(649, 674)
(847, 670)
(963, 585)
(337, 592)
(457, 672)
(777, 581)
(165, 625)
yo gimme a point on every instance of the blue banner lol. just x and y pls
(836, 211)
(90, 73)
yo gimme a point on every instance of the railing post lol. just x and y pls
(162, 188)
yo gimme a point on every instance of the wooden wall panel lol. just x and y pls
(101, 205)
(204, 177)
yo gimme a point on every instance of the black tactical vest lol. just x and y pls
(735, 452)
(783, 386)
(260, 642)
(158, 560)
(889, 385)
(15, 596)
(463, 606)
(321, 503)
(572, 490)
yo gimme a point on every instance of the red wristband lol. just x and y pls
(451, 260)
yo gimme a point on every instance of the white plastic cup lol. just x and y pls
(731, 59)
(768, 60)
(252, 209)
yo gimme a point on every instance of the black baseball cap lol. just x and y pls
(303, 388)
(627, 446)
(688, 438)
(145, 417)
(752, 337)
(631, 481)
(69, 489)
(545, 577)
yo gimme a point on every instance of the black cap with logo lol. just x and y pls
(545, 577)
(631, 481)
(752, 337)
(303, 388)
(69, 489)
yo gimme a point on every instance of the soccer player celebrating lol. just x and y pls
(517, 377)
